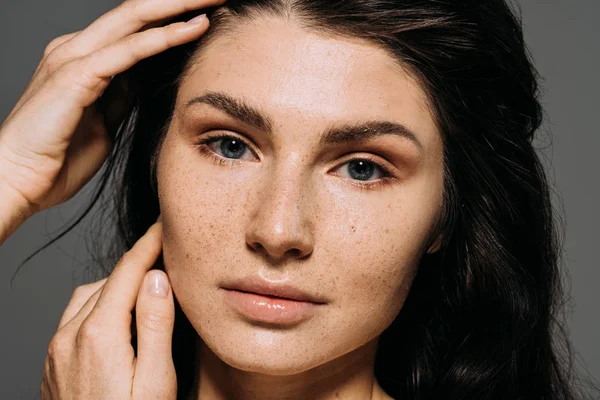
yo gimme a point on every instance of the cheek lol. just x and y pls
(374, 248)
(202, 217)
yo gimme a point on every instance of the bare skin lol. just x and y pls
(91, 356)
(55, 140)
(288, 210)
(286, 207)
(51, 144)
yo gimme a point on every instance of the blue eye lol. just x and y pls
(229, 150)
(363, 170)
(232, 147)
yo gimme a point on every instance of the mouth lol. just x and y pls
(261, 301)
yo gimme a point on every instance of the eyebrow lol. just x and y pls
(359, 132)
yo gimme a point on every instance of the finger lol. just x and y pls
(53, 45)
(59, 41)
(121, 289)
(155, 316)
(75, 322)
(88, 76)
(124, 54)
(50, 48)
(130, 17)
(80, 83)
(80, 296)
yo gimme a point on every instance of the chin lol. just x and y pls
(274, 365)
(265, 350)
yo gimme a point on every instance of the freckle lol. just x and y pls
(353, 228)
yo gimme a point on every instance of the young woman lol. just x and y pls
(351, 206)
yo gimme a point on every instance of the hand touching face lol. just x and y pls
(91, 355)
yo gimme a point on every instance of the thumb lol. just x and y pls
(155, 316)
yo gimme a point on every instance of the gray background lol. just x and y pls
(563, 36)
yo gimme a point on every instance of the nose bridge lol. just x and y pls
(281, 223)
(288, 183)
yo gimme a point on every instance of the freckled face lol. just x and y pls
(347, 221)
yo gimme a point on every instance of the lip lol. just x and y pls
(257, 285)
(263, 301)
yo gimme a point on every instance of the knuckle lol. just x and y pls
(82, 291)
(53, 44)
(168, 39)
(89, 288)
(134, 45)
(133, 10)
(154, 321)
(85, 291)
(74, 75)
(54, 60)
(55, 53)
(113, 13)
(58, 347)
(128, 257)
(164, 38)
(90, 331)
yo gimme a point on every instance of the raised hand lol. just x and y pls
(55, 139)
(91, 356)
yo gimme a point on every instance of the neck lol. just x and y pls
(349, 377)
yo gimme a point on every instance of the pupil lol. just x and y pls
(232, 148)
(363, 169)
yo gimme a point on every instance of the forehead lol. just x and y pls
(299, 75)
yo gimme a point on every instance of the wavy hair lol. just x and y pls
(482, 318)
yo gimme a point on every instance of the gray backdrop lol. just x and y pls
(563, 36)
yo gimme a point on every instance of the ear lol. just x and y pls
(436, 245)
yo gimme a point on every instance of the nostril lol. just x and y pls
(256, 246)
(295, 252)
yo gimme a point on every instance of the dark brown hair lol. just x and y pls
(481, 320)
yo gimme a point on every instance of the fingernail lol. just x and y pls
(157, 284)
(197, 20)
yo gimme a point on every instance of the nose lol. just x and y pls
(280, 225)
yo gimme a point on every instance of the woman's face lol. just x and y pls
(299, 192)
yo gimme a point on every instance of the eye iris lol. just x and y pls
(363, 169)
(232, 148)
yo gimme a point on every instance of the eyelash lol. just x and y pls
(204, 149)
